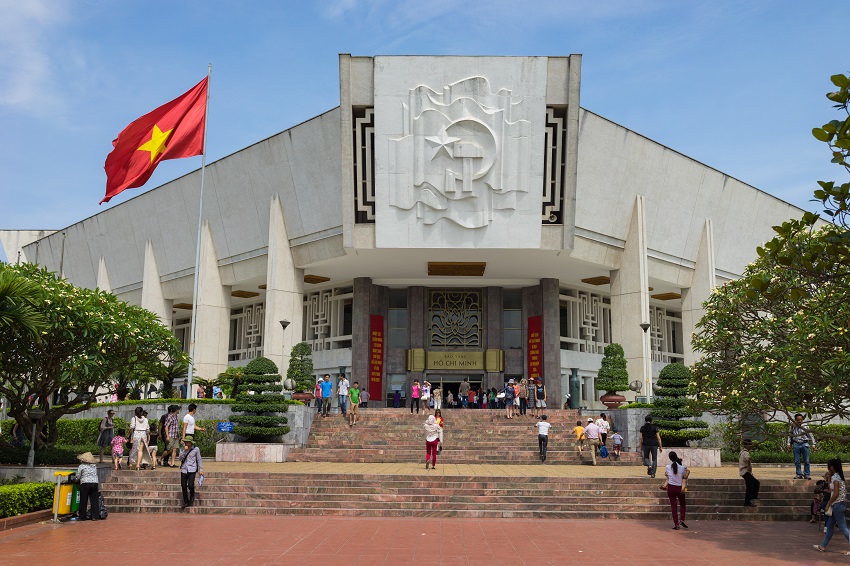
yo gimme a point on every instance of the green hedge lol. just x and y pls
(73, 431)
(57, 456)
(142, 402)
(25, 498)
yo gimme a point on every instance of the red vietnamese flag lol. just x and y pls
(172, 131)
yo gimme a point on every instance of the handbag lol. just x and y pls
(828, 512)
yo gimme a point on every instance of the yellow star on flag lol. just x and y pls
(156, 144)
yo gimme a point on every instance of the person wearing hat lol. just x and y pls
(509, 393)
(591, 433)
(107, 432)
(190, 465)
(89, 489)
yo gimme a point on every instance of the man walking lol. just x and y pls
(543, 437)
(745, 469)
(190, 464)
(800, 438)
(327, 391)
(649, 442)
(171, 437)
(342, 393)
(464, 393)
(591, 433)
(189, 422)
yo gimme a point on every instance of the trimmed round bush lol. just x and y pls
(260, 398)
(671, 406)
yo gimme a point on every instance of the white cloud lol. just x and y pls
(27, 33)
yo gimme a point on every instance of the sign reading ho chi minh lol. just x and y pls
(535, 347)
(376, 356)
(455, 360)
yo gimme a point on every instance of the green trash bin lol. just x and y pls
(75, 497)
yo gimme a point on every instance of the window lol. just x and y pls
(397, 319)
(512, 319)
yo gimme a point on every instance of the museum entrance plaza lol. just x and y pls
(258, 540)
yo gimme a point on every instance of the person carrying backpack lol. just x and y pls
(510, 394)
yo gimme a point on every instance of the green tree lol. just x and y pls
(300, 368)
(777, 341)
(89, 335)
(230, 380)
(18, 297)
(613, 375)
(672, 407)
(260, 396)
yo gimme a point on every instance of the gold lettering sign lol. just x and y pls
(454, 360)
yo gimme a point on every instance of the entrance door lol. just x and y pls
(452, 383)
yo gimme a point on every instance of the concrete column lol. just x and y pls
(494, 332)
(103, 276)
(284, 293)
(630, 299)
(551, 311)
(360, 331)
(213, 329)
(701, 286)
(152, 296)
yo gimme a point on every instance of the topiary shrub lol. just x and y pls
(300, 368)
(613, 375)
(260, 396)
(671, 406)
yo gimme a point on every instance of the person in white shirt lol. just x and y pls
(189, 422)
(543, 436)
(604, 427)
(591, 433)
(342, 390)
(677, 476)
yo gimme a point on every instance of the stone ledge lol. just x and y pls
(251, 452)
(692, 457)
(7, 523)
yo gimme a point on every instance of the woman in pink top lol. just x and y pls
(414, 396)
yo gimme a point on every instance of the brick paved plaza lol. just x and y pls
(203, 539)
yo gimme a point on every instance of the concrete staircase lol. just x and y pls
(434, 495)
(470, 437)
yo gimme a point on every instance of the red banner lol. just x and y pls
(535, 347)
(376, 357)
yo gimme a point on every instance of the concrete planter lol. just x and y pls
(251, 452)
(612, 400)
(693, 457)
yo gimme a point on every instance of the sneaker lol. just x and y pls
(807, 477)
(798, 477)
(683, 525)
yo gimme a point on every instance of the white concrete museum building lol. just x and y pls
(453, 218)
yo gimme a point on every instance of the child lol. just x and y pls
(118, 442)
(820, 500)
(438, 415)
(152, 444)
(618, 443)
(579, 430)
(354, 398)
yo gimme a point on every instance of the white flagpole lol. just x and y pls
(198, 247)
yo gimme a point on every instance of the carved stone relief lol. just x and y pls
(456, 151)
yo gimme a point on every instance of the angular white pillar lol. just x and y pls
(630, 299)
(152, 297)
(284, 293)
(213, 326)
(103, 276)
(704, 280)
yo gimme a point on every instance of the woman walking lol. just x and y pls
(139, 431)
(107, 432)
(676, 476)
(523, 396)
(836, 503)
(415, 393)
(425, 395)
(433, 437)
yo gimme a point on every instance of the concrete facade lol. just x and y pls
(432, 168)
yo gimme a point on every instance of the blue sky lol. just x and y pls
(735, 85)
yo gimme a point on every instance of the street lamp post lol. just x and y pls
(34, 415)
(647, 374)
